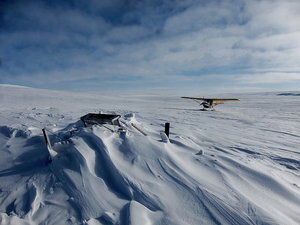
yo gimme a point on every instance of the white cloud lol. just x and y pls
(70, 44)
(127, 34)
(274, 16)
(269, 78)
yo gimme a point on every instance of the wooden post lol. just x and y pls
(52, 153)
(167, 129)
(47, 140)
(139, 129)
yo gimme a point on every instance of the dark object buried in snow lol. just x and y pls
(94, 118)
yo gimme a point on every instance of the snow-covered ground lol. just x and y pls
(237, 165)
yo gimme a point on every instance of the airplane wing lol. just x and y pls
(212, 99)
(209, 103)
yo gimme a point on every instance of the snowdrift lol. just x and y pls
(239, 165)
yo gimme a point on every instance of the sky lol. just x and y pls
(180, 46)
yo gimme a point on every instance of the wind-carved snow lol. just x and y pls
(238, 165)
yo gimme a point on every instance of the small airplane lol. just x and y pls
(209, 103)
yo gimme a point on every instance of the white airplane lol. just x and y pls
(209, 103)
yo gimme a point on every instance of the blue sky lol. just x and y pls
(193, 46)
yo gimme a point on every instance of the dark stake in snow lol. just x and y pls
(167, 129)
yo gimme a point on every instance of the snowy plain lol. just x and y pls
(237, 165)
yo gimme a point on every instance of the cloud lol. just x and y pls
(271, 17)
(269, 78)
(47, 43)
(214, 14)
